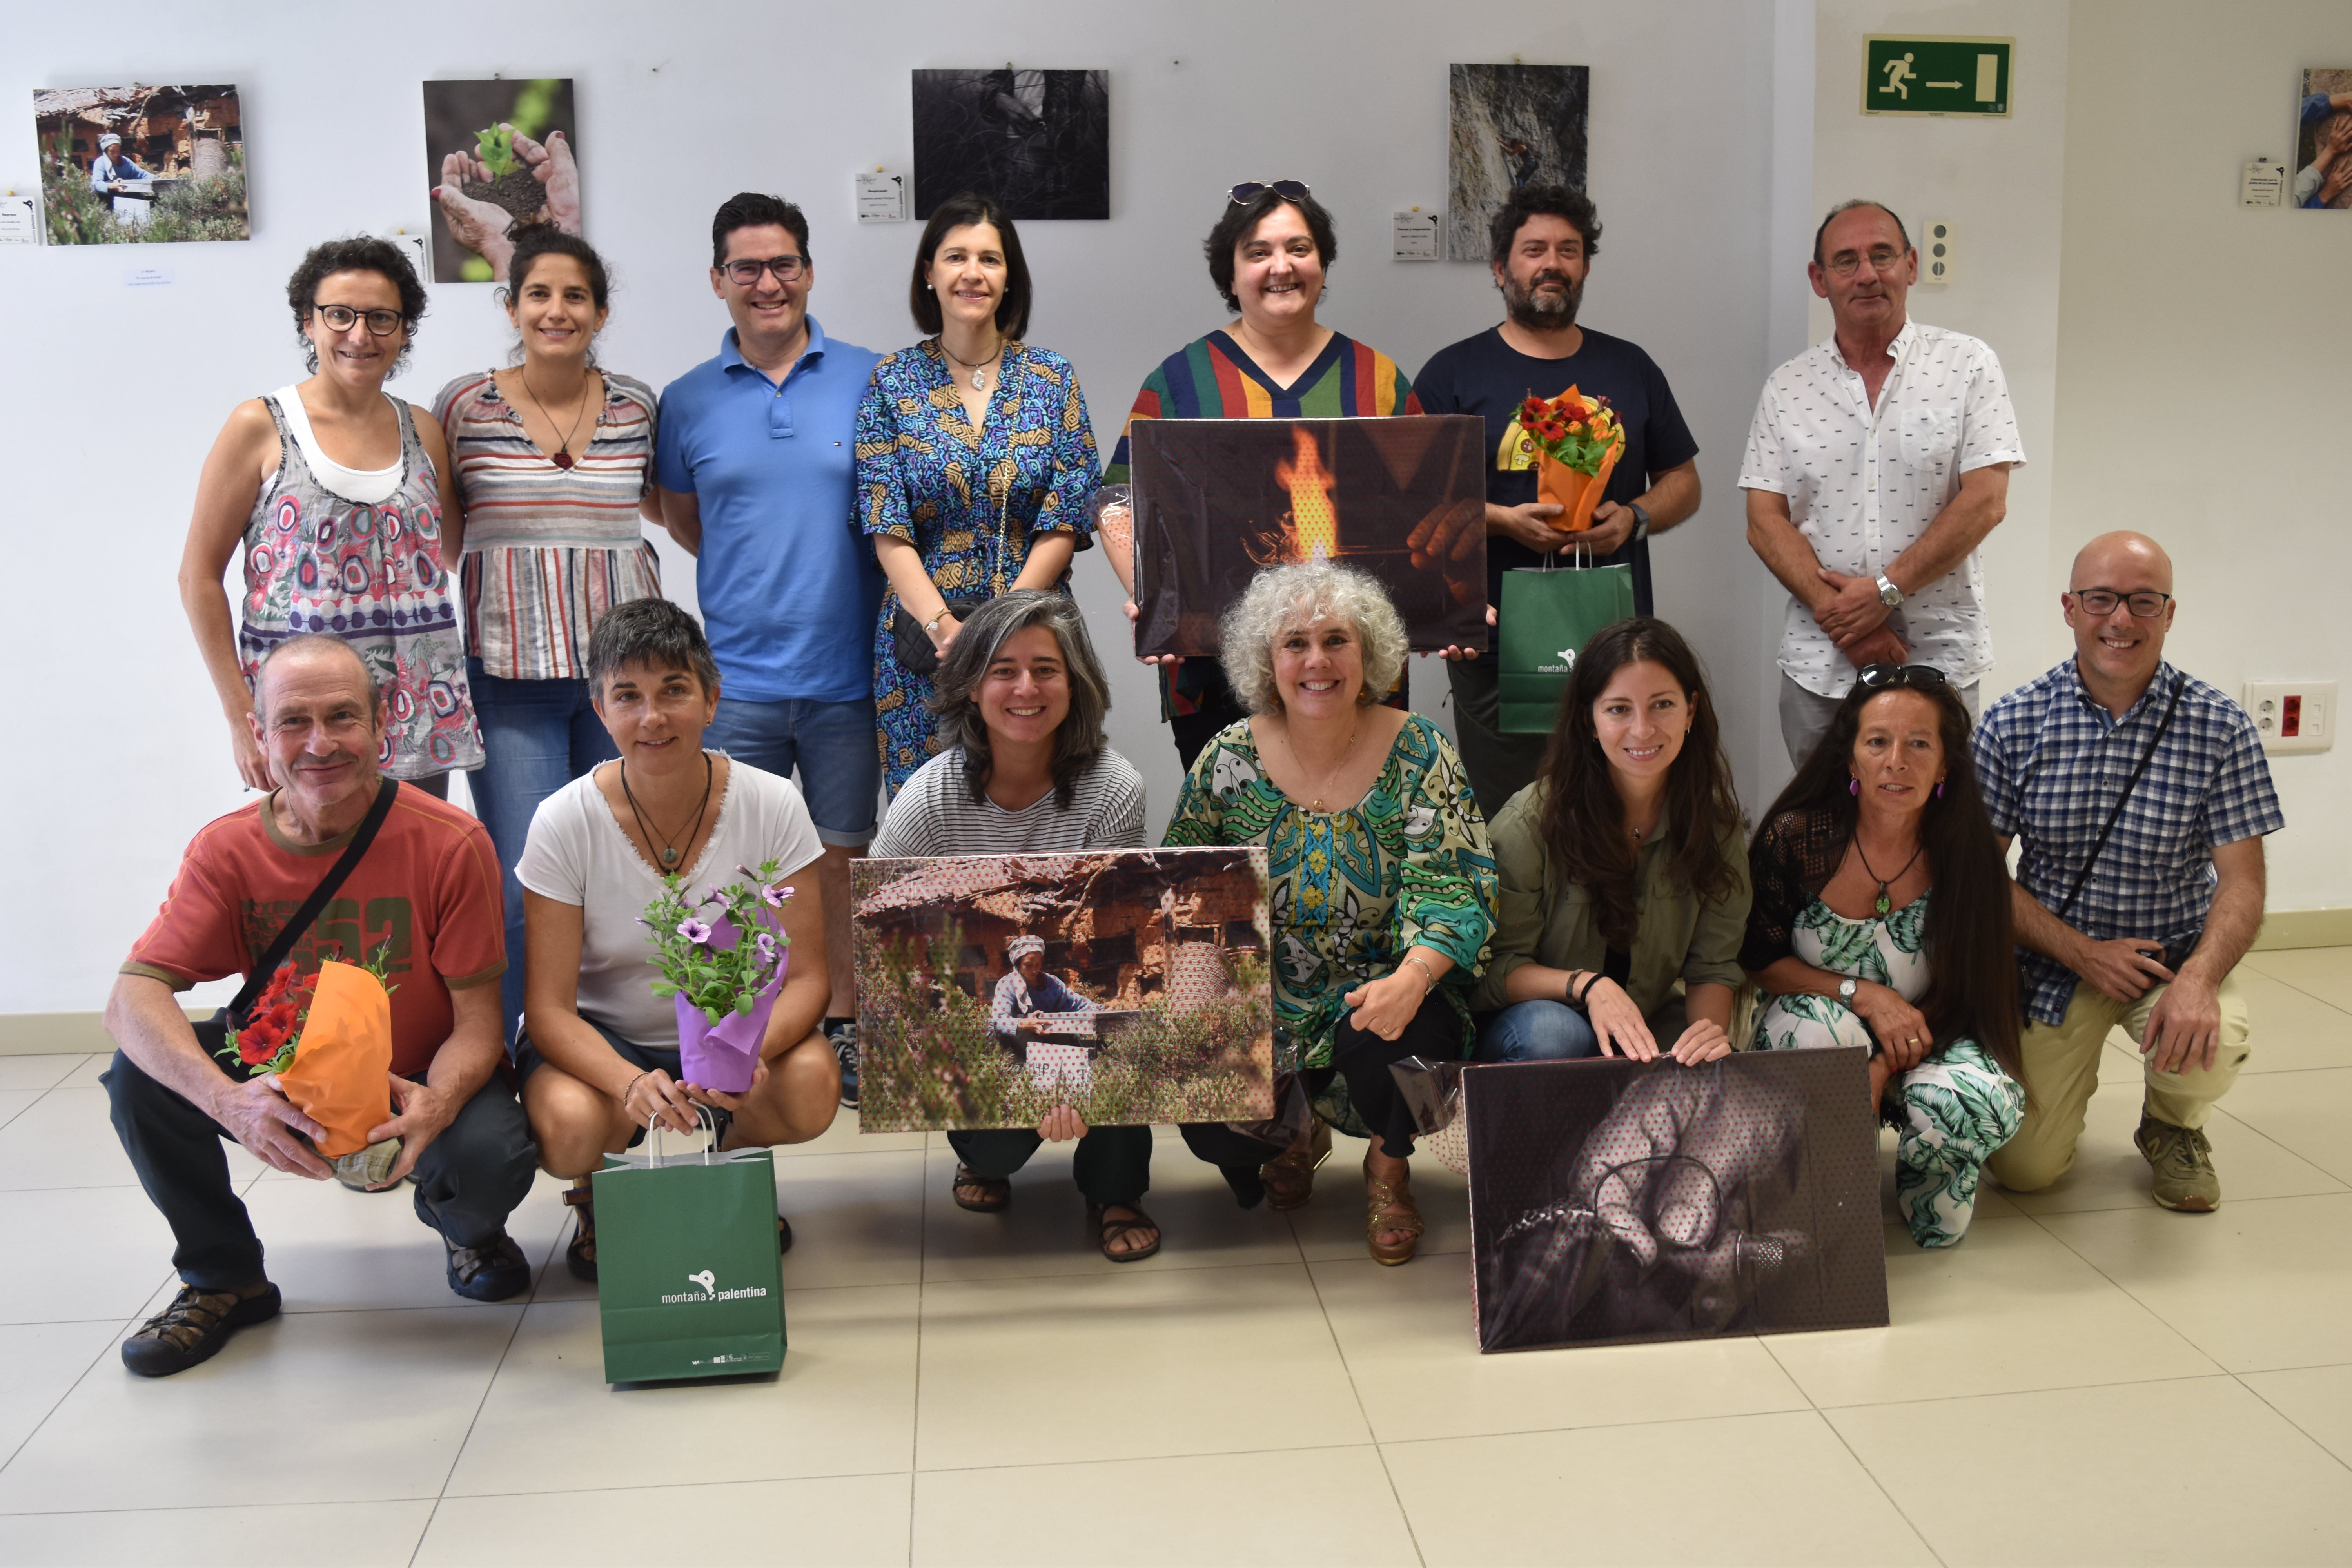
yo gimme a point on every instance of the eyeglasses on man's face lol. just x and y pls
(1886, 676)
(339, 319)
(746, 271)
(2145, 603)
(1845, 263)
(1249, 190)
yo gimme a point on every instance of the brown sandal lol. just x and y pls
(1108, 1230)
(1389, 1206)
(1289, 1177)
(994, 1194)
(581, 1256)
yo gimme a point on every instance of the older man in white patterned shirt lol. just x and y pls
(1878, 461)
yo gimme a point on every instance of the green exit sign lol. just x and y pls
(1935, 76)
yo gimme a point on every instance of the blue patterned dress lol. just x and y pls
(969, 500)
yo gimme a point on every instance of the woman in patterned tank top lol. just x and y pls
(338, 497)
(553, 459)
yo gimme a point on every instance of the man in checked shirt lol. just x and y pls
(2145, 929)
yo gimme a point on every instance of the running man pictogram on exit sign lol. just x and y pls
(1935, 76)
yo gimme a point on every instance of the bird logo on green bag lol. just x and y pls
(707, 1280)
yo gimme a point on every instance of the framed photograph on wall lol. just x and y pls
(2322, 139)
(142, 166)
(1037, 143)
(1507, 126)
(1216, 499)
(498, 153)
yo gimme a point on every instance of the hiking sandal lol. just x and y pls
(1108, 1230)
(581, 1256)
(988, 1195)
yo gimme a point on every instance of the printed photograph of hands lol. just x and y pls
(500, 155)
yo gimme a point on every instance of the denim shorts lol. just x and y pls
(646, 1059)
(832, 745)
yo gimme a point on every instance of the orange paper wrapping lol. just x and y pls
(1576, 494)
(341, 1076)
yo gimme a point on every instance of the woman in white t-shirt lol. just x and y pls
(598, 1055)
(1020, 698)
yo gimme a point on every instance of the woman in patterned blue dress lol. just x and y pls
(1880, 919)
(975, 458)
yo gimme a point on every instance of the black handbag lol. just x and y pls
(212, 1033)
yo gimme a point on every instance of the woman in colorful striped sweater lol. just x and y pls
(1268, 257)
(552, 459)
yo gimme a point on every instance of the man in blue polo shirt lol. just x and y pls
(754, 457)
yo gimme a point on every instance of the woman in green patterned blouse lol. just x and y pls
(1383, 878)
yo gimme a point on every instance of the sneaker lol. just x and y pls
(489, 1273)
(193, 1328)
(2183, 1163)
(844, 1038)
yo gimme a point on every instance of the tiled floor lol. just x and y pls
(2088, 1378)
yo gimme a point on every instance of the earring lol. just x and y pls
(1939, 789)
(1854, 787)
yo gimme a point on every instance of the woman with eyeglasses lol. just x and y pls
(1881, 920)
(975, 460)
(1268, 256)
(552, 459)
(338, 498)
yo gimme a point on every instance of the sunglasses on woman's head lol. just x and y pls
(1886, 676)
(1249, 190)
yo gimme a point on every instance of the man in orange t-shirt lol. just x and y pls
(427, 892)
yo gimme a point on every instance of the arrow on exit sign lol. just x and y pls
(1935, 76)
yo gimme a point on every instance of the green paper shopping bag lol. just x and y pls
(1546, 616)
(688, 1279)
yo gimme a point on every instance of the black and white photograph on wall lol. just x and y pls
(142, 166)
(1507, 126)
(1403, 499)
(2323, 138)
(1037, 143)
(1613, 1200)
(498, 154)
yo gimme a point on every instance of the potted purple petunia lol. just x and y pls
(724, 971)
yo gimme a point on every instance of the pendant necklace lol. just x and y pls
(1345, 751)
(563, 458)
(1884, 903)
(669, 850)
(978, 368)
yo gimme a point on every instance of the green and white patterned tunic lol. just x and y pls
(1955, 1108)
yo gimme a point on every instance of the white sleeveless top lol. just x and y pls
(368, 487)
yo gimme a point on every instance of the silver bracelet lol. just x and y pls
(1432, 974)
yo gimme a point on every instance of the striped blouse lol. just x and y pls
(548, 550)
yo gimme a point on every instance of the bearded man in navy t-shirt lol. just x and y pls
(1541, 245)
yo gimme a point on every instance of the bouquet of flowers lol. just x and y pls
(330, 1044)
(724, 972)
(1577, 441)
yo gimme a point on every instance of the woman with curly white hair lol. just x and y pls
(1382, 880)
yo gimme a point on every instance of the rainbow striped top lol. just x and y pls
(1214, 378)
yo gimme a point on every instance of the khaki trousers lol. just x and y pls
(2062, 1070)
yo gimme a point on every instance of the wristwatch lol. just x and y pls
(1641, 521)
(1846, 988)
(1888, 593)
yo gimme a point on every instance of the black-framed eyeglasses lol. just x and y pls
(1887, 677)
(787, 268)
(2145, 603)
(339, 319)
(1249, 190)
(1846, 263)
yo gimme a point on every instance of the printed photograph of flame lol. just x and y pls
(1613, 1200)
(1402, 499)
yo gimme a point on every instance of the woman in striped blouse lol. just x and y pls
(553, 462)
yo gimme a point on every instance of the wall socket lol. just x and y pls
(2293, 715)
(1937, 242)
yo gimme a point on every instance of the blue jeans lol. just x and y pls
(536, 737)
(1536, 1032)
(831, 744)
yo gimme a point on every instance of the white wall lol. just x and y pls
(2206, 360)
(109, 397)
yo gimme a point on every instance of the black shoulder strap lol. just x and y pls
(2179, 686)
(258, 975)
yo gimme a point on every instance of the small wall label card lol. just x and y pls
(20, 221)
(1936, 76)
(881, 197)
(1414, 237)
